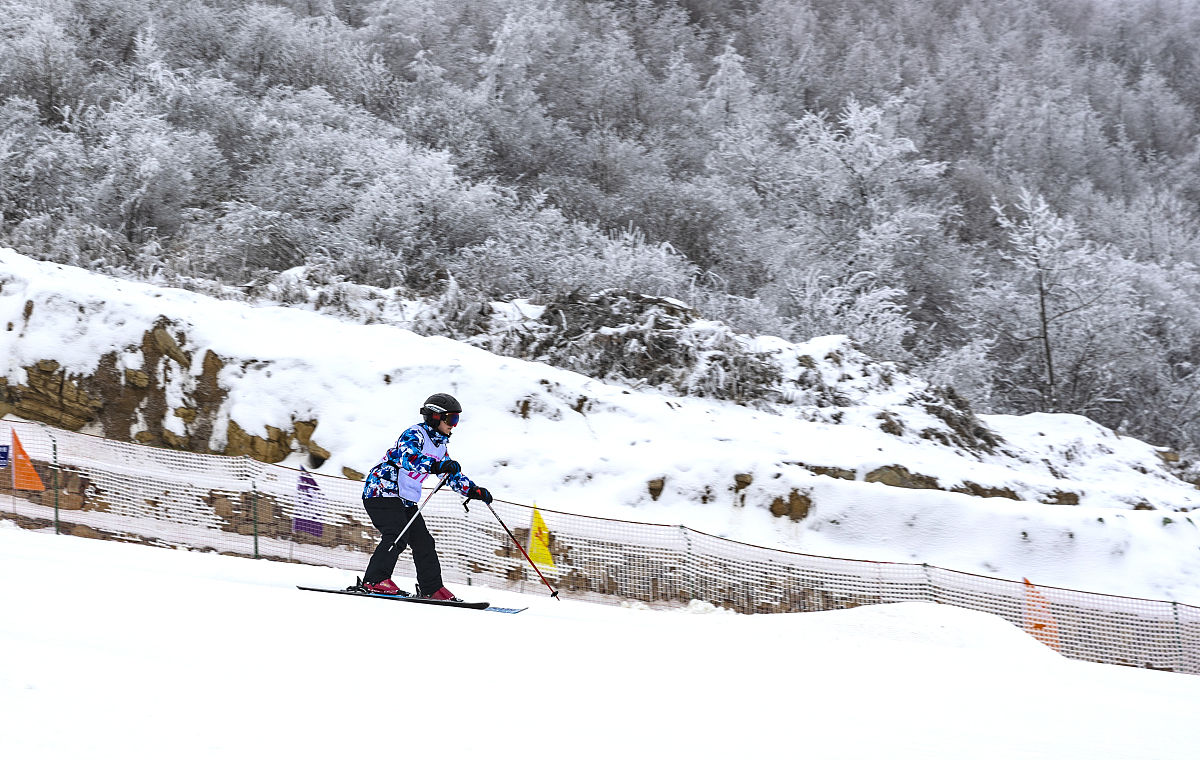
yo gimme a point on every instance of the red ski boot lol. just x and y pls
(385, 586)
(442, 594)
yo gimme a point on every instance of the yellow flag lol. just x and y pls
(539, 541)
(24, 476)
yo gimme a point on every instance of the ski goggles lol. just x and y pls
(451, 419)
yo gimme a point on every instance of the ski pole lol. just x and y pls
(421, 506)
(553, 593)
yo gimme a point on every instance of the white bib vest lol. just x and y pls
(408, 483)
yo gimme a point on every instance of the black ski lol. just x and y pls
(419, 600)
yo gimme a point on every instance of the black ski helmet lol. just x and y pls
(437, 406)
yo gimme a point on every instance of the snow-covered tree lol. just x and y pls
(1063, 313)
(39, 60)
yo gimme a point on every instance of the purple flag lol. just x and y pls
(309, 502)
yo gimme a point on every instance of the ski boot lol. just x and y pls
(385, 586)
(443, 594)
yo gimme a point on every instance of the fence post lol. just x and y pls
(1179, 639)
(54, 450)
(254, 513)
(689, 564)
(54, 466)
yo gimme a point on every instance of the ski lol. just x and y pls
(417, 599)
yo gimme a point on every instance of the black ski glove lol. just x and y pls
(445, 467)
(482, 494)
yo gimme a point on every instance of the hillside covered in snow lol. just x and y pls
(853, 458)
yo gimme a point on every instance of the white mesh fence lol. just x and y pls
(106, 489)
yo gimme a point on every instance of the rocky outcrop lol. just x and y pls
(130, 403)
(796, 506)
(655, 487)
(274, 447)
(250, 513)
(67, 489)
(898, 476)
(49, 395)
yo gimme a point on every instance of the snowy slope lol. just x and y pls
(534, 433)
(162, 653)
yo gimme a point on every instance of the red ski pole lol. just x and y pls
(553, 593)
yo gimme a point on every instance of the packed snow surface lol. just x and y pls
(112, 650)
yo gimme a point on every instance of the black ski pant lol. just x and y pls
(390, 515)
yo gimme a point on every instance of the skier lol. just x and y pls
(393, 489)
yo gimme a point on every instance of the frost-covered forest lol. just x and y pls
(1000, 194)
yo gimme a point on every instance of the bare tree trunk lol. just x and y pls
(1049, 400)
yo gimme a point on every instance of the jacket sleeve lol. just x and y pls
(460, 483)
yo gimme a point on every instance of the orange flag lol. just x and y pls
(1038, 621)
(24, 476)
